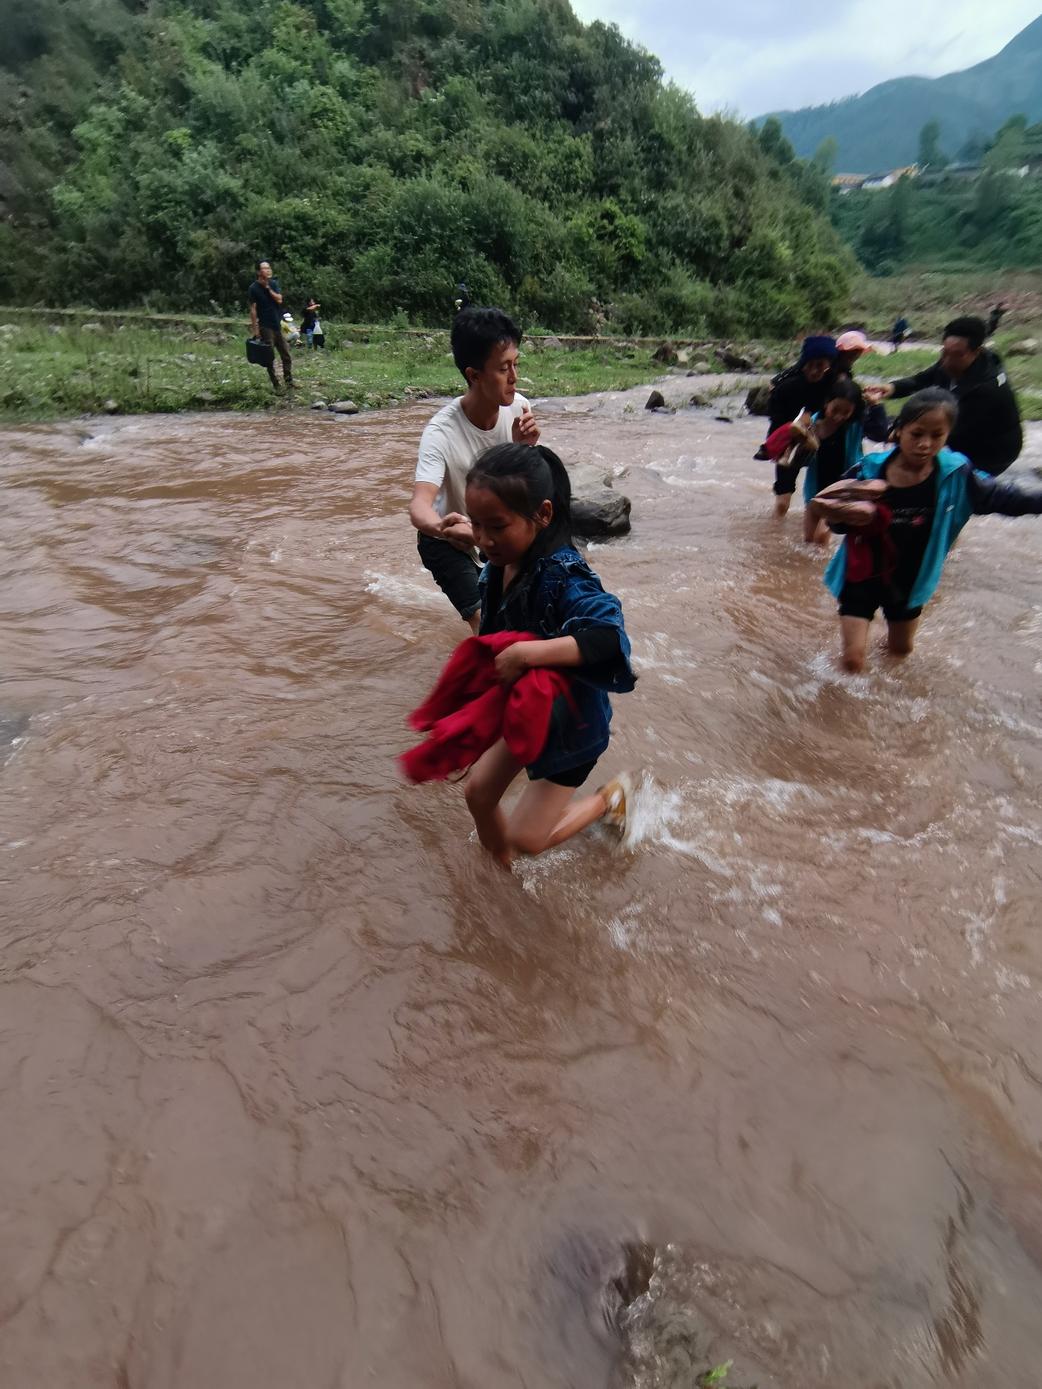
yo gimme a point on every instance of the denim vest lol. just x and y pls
(559, 596)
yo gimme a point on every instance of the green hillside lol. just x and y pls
(880, 129)
(381, 150)
(953, 220)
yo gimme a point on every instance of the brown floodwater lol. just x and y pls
(298, 1092)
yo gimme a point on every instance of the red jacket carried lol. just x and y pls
(469, 709)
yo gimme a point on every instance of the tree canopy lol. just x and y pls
(378, 151)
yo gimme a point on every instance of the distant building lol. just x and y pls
(887, 180)
(848, 183)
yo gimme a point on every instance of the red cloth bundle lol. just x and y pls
(870, 551)
(788, 440)
(469, 709)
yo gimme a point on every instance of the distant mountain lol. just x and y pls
(880, 128)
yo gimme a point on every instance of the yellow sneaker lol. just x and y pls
(616, 794)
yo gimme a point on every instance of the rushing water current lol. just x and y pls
(298, 1092)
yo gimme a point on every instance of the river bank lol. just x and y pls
(296, 1089)
(69, 365)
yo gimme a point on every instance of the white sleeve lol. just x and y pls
(430, 465)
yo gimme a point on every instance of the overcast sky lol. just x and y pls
(752, 56)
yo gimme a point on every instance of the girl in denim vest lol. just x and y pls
(519, 504)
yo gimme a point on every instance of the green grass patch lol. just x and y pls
(55, 368)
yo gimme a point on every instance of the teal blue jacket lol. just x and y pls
(961, 493)
(852, 448)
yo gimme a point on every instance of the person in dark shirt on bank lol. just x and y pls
(311, 325)
(266, 321)
(987, 429)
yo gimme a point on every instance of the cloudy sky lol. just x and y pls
(752, 56)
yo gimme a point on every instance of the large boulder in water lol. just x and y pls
(600, 512)
(597, 509)
(757, 402)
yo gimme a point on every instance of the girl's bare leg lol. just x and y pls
(546, 815)
(781, 504)
(900, 637)
(853, 632)
(486, 786)
(815, 528)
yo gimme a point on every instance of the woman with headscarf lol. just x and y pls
(803, 386)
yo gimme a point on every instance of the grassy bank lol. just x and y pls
(58, 366)
(929, 298)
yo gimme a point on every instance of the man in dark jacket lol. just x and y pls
(988, 429)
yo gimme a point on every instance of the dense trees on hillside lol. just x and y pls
(992, 217)
(381, 150)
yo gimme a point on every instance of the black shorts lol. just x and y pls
(862, 600)
(455, 572)
(572, 776)
(785, 480)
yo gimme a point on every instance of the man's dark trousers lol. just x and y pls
(277, 339)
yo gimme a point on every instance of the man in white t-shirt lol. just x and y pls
(491, 411)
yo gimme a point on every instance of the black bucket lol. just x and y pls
(261, 354)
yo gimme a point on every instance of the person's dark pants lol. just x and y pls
(862, 598)
(785, 480)
(455, 572)
(276, 338)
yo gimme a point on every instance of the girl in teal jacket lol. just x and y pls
(895, 547)
(829, 445)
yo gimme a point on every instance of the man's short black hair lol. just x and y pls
(263, 261)
(476, 331)
(974, 330)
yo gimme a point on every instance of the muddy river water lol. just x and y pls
(298, 1092)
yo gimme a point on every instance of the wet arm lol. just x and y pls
(587, 648)
(422, 512)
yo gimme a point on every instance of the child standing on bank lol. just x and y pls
(895, 547)
(311, 325)
(518, 498)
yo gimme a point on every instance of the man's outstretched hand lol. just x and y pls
(875, 394)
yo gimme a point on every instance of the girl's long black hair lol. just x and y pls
(846, 388)
(523, 477)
